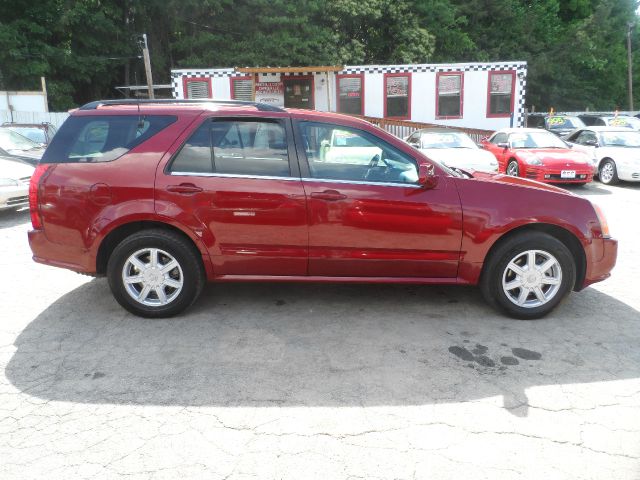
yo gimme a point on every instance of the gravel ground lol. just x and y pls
(319, 381)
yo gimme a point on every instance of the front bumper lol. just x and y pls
(629, 172)
(547, 175)
(598, 270)
(14, 197)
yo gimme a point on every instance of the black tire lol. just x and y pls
(189, 271)
(496, 267)
(607, 172)
(516, 168)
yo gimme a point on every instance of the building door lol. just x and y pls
(298, 92)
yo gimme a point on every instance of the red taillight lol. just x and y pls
(34, 185)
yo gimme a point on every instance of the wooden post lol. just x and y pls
(44, 92)
(147, 66)
(253, 87)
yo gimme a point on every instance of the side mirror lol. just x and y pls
(503, 145)
(591, 143)
(427, 177)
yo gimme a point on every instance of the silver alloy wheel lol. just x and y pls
(152, 277)
(532, 278)
(512, 169)
(606, 172)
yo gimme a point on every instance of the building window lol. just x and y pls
(449, 92)
(501, 93)
(350, 94)
(397, 95)
(242, 88)
(199, 87)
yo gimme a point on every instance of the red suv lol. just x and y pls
(161, 196)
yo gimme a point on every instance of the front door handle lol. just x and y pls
(329, 195)
(185, 188)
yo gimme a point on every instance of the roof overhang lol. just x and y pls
(329, 68)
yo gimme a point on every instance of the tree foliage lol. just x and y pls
(576, 49)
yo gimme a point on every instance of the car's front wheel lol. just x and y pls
(513, 169)
(155, 273)
(528, 275)
(608, 173)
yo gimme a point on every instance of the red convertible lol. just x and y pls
(538, 155)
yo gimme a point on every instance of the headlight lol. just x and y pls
(8, 182)
(604, 225)
(533, 160)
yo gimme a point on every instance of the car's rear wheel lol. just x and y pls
(155, 273)
(608, 173)
(513, 169)
(528, 275)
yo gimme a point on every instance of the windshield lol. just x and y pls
(447, 140)
(14, 141)
(557, 123)
(620, 139)
(540, 139)
(628, 122)
(32, 133)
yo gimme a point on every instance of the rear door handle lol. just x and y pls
(186, 188)
(329, 195)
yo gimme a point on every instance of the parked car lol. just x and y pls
(14, 145)
(625, 121)
(452, 148)
(41, 133)
(614, 152)
(344, 144)
(561, 125)
(538, 155)
(160, 196)
(14, 183)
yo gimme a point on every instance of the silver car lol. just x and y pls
(613, 151)
(14, 183)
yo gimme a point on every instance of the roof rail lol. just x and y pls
(264, 107)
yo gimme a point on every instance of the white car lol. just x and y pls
(14, 183)
(453, 149)
(348, 147)
(613, 151)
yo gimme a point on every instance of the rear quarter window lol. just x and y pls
(102, 138)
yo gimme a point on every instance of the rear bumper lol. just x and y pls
(62, 256)
(601, 269)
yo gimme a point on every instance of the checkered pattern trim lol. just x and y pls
(521, 77)
(433, 68)
(178, 75)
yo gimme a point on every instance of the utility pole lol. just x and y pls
(629, 27)
(147, 65)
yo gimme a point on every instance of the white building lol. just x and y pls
(486, 96)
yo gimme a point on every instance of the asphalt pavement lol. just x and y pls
(293, 381)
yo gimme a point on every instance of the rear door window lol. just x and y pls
(236, 147)
(102, 138)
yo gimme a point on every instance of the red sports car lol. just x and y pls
(538, 155)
